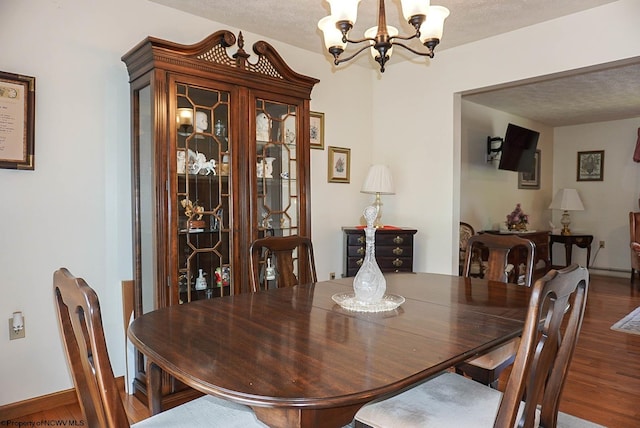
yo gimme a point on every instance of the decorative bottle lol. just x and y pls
(369, 284)
(270, 272)
(201, 281)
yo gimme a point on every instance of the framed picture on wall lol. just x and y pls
(590, 166)
(531, 180)
(339, 162)
(316, 130)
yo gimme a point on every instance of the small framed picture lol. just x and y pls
(531, 180)
(316, 126)
(17, 104)
(590, 166)
(339, 162)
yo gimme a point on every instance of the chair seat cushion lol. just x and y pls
(206, 411)
(495, 357)
(446, 401)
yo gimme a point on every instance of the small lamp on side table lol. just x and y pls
(380, 182)
(567, 200)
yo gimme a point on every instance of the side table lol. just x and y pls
(580, 241)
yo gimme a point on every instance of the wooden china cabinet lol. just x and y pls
(220, 157)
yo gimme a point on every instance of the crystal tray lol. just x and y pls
(387, 303)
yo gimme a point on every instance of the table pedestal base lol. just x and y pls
(308, 418)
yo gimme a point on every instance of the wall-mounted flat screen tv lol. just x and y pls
(519, 149)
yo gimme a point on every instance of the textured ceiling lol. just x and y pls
(595, 95)
(589, 96)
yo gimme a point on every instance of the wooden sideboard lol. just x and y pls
(539, 237)
(394, 249)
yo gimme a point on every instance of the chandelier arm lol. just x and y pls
(340, 61)
(430, 53)
(366, 39)
(404, 37)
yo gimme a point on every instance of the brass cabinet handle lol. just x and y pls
(359, 262)
(361, 250)
(397, 251)
(397, 262)
(361, 240)
(398, 240)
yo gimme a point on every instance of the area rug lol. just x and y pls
(629, 324)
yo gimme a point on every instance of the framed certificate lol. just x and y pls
(17, 118)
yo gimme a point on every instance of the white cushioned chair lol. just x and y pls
(540, 369)
(81, 325)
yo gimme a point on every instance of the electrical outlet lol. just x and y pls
(601, 244)
(332, 275)
(12, 334)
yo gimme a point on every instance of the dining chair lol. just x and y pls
(634, 244)
(540, 369)
(466, 232)
(80, 320)
(290, 258)
(488, 367)
(498, 248)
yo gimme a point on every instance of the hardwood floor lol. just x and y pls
(603, 385)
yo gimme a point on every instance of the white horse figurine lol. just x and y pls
(203, 166)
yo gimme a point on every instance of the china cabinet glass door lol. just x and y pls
(276, 169)
(277, 187)
(202, 192)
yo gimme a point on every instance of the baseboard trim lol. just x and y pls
(44, 402)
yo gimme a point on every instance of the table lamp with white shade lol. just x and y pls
(379, 182)
(567, 200)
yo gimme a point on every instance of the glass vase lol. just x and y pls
(369, 285)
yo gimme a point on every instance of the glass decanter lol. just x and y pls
(369, 284)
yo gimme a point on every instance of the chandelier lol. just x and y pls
(428, 22)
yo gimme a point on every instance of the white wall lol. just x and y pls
(74, 210)
(607, 203)
(488, 194)
(417, 111)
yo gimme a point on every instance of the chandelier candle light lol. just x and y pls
(428, 22)
(379, 182)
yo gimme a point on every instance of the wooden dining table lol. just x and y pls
(301, 360)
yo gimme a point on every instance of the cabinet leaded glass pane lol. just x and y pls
(276, 170)
(203, 197)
